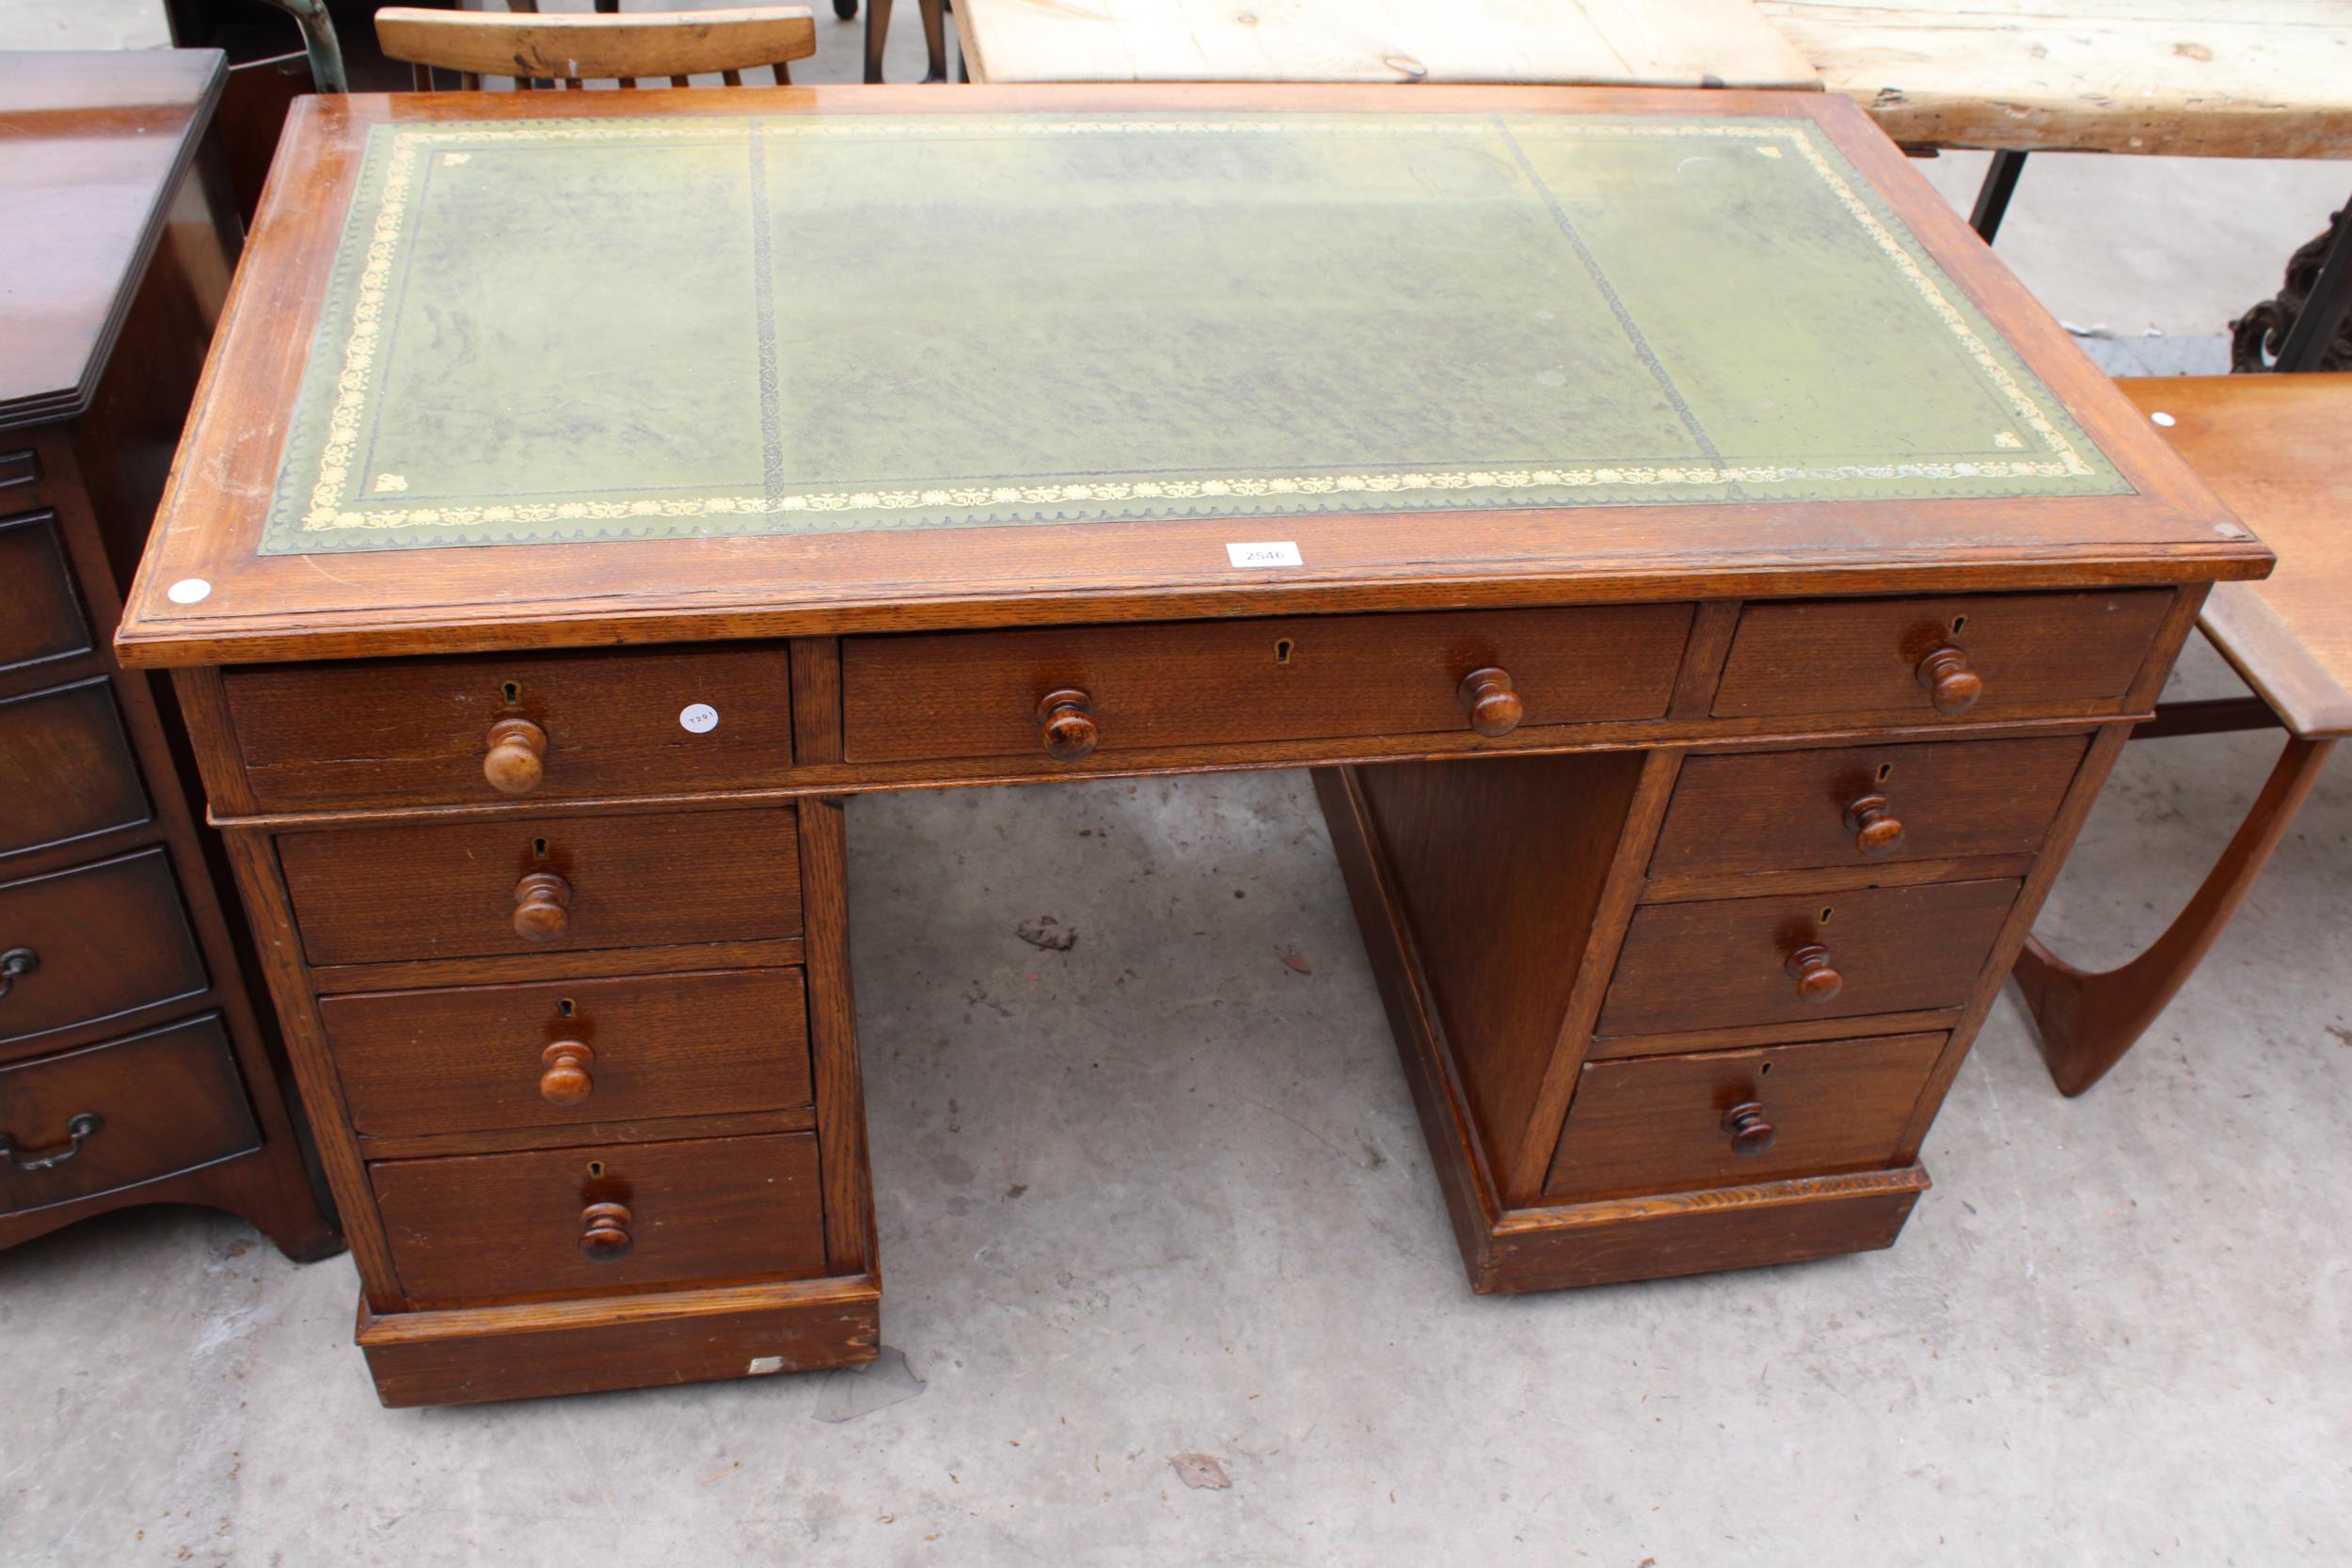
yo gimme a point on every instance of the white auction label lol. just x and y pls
(1276, 552)
(188, 591)
(698, 718)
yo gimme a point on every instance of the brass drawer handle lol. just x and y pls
(516, 758)
(15, 964)
(1493, 706)
(1067, 717)
(604, 1236)
(1750, 1133)
(79, 1131)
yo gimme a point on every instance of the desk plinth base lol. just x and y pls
(1557, 1247)
(475, 1355)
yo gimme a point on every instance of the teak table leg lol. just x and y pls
(2087, 1021)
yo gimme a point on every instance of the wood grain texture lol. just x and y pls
(163, 1102)
(2037, 655)
(1195, 683)
(472, 1058)
(478, 1229)
(40, 615)
(2272, 448)
(414, 733)
(849, 1246)
(475, 1355)
(525, 968)
(1783, 810)
(110, 939)
(1665, 43)
(65, 768)
(1498, 868)
(1692, 966)
(446, 601)
(377, 895)
(574, 48)
(1657, 1124)
(733, 1124)
(2182, 78)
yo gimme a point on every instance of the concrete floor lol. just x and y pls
(1162, 1194)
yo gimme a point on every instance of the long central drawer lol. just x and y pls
(521, 884)
(971, 694)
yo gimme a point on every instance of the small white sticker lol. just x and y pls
(698, 718)
(187, 591)
(1278, 552)
(2164, 419)
(762, 1364)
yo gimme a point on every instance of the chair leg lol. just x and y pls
(934, 38)
(877, 34)
(2088, 1022)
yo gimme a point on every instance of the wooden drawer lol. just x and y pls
(2030, 655)
(1723, 963)
(66, 768)
(41, 614)
(94, 942)
(465, 890)
(419, 730)
(1776, 811)
(485, 1228)
(966, 694)
(115, 1115)
(486, 1057)
(1662, 1124)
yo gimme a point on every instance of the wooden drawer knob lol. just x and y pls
(1067, 717)
(566, 1080)
(1816, 981)
(1493, 707)
(1877, 831)
(516, 758)
(542, 907)
(1951, 685)
(604, 1232)
(1750, 1133)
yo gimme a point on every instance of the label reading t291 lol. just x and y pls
(698, 718)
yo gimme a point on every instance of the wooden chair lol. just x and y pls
(574, 48)
(2273, 448)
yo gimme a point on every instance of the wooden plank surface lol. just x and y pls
(1686, 43)
(2203, 78)
(2272, 446)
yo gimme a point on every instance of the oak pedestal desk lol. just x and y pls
(1709, 591)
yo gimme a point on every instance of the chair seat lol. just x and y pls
(2276, 449)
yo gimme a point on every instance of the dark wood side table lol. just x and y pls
(1703, 694)
(134, 1068)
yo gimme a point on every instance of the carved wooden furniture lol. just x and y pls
(569, 49)
(132, 1067)
(1701, 703)
(2271, 446)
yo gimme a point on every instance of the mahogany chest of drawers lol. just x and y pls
(1693, 806)
(134, 1068)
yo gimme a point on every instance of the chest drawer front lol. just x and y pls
(1665, 1124)
(481, 1058)
(970, 694)
(1720, 963)
(553, 725)
(2027, 655)
(41, 614)
(527, 884)
(66, 768)
(602, 1219)
(115, 1115)
(1776, 811)
(93, 942)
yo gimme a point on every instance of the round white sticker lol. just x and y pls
(187, 591)
(698, 718)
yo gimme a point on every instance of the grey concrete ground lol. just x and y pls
(1162, 1194)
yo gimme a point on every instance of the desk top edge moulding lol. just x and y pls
(414, 439)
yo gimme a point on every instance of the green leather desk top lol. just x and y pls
(622, 328)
